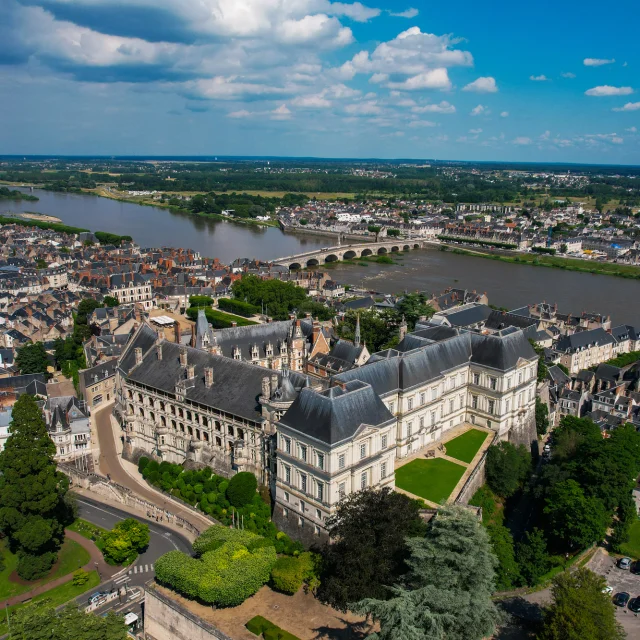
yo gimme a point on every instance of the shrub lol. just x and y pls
(288, 573)
(258, 625)
(238, 307)
(242, 489)
(80, 577)
(222, 487)
(214, 537)
(32, 567)
(142, 463)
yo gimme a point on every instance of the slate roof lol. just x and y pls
(501, 319)
(337, 414)
(346, 350)
(557, 375)
(584, 339)
(470, 316)
(236, 387)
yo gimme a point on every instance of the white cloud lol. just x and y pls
(319, 27)
(522, 141)
(608, 90)
(632, 130)
(281, 113)
(366, 108)
(480, 110)
(434, 79)
(504, 114)
(541, 78)
(630, 106)
(422, 123)
(597, 62)
(317, 101)
(546, 135)
(568, 74)
(441, 107)
(408, 13)
(476, 131)
(356, 11)
(482, 85)
(243, 113)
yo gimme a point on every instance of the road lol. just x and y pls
(162, 540)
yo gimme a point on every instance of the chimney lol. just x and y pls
(274, 383)
(234, 323)
(138, 353)
(208, 377)
(316, 330)
(191, 372)
(160, 335)
(183, 356)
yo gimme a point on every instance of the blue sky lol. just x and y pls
(548, 81)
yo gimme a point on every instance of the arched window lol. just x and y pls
(163, 421)
(205, 422)
(241, 434)
(180, 413)
(218, 425)
(139, 397)
(218, 442)
(141, 412)
(162, 406)
(189, 417)
(173, 425)
(173, 410)
(181, 427)
(152, 416)
(230, 430)
(130, 394)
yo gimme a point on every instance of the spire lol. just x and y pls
(356, 338)
(403, 328)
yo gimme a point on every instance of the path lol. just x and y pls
(96, 561)
(114, 467)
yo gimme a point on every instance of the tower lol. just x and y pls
(356, 337)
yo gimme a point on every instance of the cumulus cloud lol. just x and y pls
(630, 106)
(632, 129)
(541, 78)
(422, 123)
(568, 74)
(441, 107)
(522, 141)
(408, 13)
(597, 62)
(281, 113)
(608, 90)
(475, 131)
(312, 101)
(504, 114)
(434, 79)
(482, 85)
(480, 110)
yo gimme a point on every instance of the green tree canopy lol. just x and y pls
(580, 611)
(125, 541)
(507, 467)
(412, 306)
(532, 556)
(278, 298)
(33, 510)
(378, 330)
(447, 592)
(32, 358)
(367, 553)
(111, 301)
(542, 417)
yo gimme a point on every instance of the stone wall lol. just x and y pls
(166, 619)
(291, 527)
(475, 480)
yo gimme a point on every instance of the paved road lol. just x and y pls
(162, 540)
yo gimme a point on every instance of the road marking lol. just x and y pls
(146, 567)
(135, 569)
(152, 567)
(122, 579)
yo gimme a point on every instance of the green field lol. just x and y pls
(433, 479)
(632, 548)
(72, 556)
(465, 446)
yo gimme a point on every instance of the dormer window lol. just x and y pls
(269, 349)
(236, 353)
(254, 352)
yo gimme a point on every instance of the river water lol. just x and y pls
(429, 270)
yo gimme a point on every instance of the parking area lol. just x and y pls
(620, 580)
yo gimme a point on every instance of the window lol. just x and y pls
(433, 418)
(508, 405)
(421, 423)
(287, 474)
(320, 460)
(363, 451)
(476, 378)
(492, 406)
(409, 429)
(302, 451)
(383, 470)
(453, 382)
(318, 514)
(474, 402)
(451, 407)
(392, 406)
(488, 424)
(303, 482)
(342, 490)
(493, 383)
(363, 480)
(410, 447)
(320, 492)
(434, 393)
(285, 513)
(508, 384)
(520, 378)
(383, 441)
(341, 461)
(422, 398)
(461, 400)
(409, 404)
(302, 506)
(286, 496)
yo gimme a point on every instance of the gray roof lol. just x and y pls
(236, 387)
(584, 339)
(557, 375)
(346, 350)
(338, 413)
(501, 319)
(469, 316)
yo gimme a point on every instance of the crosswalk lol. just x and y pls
(143, 568)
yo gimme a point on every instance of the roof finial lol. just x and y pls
(356, 337)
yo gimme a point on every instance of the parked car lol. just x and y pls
(96, 597)
(621, 599)
(624, 563)
(634, 604)
(607, 590)
(635, 567)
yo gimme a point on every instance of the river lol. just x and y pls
(508, 285)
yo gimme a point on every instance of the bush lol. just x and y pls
(288, 574)
(80, 577)
(142, 463)
(238, 307)
(214, 537)
(262, 627)
(242, 489)
(33, 567)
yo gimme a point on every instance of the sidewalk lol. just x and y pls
(96, 561)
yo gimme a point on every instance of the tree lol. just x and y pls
(40, 621)
(575, 520)
(542, 365)
(393, 233)
(377, 330)
(563, 248)
(532, 556)
(507, 467)
(368, 552)
(32, 491)
(32, 358)
(542, 417)
(123, 543)
(242, 489)
(580, 610)
(412, 306)
(447, 591)
(507, 571)
(111, 301)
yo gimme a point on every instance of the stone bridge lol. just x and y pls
(351, 252)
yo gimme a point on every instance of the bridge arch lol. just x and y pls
(349, 254)
(416, 246)
(312, 262)
(395, 249)
(332, 257)
(382, 251)
(366, 252)
(406, 248)
(294, 266)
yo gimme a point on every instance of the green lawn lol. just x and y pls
(72, 556)
(59, 595)
(632, 548)
(465, 446)
(87, 529)
(433, 479)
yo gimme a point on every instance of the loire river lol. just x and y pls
(429, 270)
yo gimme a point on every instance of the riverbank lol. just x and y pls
(42, 217)
(554, 262)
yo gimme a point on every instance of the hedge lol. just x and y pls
(219, 319)
(238, 307)
(200, 301)
(547, 250)
(214, 537)
(288, 573)
(225, 577)
(242, 488)
(262, 627)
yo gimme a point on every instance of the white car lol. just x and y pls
(607, 590)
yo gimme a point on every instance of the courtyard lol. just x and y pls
(435, 479)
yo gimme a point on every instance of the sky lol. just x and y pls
(544, 81)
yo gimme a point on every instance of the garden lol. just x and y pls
(465, 446)
(432, 479)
